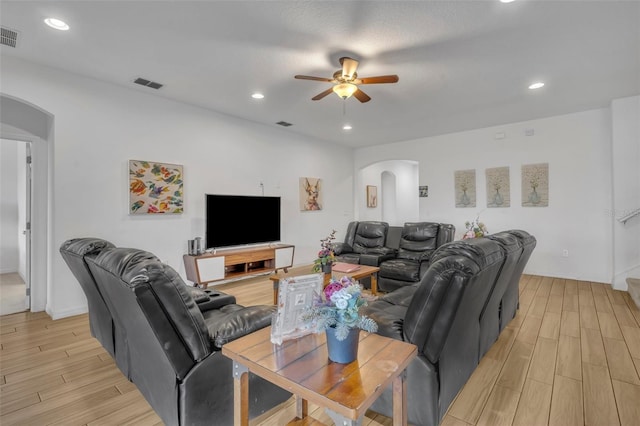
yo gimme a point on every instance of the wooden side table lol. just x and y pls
(363, 272)
(302, 367)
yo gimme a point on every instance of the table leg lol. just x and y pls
(240, 395)
(276, 283)
(400, 400)
(341, 420)
(374, 283)
(302, 407)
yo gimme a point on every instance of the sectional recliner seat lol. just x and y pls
(168, 345)
(453, 316)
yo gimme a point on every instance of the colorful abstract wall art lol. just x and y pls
(155, 188)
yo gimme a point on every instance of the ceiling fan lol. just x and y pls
(346, 81)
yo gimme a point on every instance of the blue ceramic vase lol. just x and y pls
(343, 351)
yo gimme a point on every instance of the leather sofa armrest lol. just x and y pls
(237, 321)
(375, 256)
(340, 248)
(207, 299)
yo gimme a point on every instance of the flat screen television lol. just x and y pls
(235, 220)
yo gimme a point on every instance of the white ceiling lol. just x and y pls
(462, 64)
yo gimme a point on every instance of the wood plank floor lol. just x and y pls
(570, 357)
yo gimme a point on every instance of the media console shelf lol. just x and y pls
(236, 263)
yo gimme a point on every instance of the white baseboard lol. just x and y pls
(620, 280)
(8, 270)
(67, 312)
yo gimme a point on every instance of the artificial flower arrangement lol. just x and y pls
(475, 229)
(326, 256)
(338, 306)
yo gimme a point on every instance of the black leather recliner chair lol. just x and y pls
(364, 244)
(101, 324)
(417, 243)
(104, 327)
(511, 298)
(441, 316)
(172, 346)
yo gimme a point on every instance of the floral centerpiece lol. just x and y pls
(338, 307)
(475, 229)
(326, 256)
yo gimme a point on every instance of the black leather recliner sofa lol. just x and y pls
(103, 326)
(171, 346)
(365, 244)
(417, 243)
(443, 316)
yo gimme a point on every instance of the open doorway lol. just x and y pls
(15, 222)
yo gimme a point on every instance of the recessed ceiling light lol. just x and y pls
(506, 1)
(536, 85)
(257, 96)
(347, 127)
(56, 24)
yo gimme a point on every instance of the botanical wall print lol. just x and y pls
(423, 191)
(155, 187)
(372, 196)
(465, 188)
(535, 185)
(498, 191)
(310, 194)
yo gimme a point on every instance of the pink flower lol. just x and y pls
(332, 288)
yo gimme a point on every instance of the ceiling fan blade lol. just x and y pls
(309, 77)
(322, 95)
(361, 96)
(377, 80)
(349, 67)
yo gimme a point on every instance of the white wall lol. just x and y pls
(578, 150)
(99, 127)
(404, 197)
(9, 260)
(626, 188)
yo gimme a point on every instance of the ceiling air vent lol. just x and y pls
(284, 124)
(8, 37)
(148, 83)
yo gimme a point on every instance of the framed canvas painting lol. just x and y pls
(372, 196)
(155, 188)
(498, 190)
(535, 185)
(465, 188)
(310, 194)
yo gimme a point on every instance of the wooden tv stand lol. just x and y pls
(236, 263)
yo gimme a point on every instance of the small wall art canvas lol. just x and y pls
(372, 196)
(155, 188)
(310, 194)
(423, 191)
(465, 188)
(535, 185)
(498, 190)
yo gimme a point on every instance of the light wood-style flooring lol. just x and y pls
(570, 357)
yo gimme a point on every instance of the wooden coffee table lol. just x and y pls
(362, 272)
(302, 367)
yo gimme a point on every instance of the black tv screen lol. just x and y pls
(233, 220)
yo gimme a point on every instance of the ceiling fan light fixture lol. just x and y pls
(345, 90)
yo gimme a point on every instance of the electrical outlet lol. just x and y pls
(565, 253)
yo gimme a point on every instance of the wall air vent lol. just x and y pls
(147, 83)
(8, 37)
(284, 124)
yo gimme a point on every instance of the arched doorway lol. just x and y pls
(23, 121)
